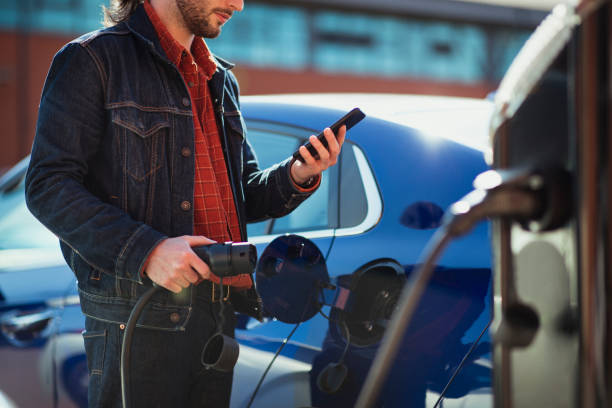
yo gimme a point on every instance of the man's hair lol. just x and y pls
(119, 11)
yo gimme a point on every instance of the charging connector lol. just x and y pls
(536, 199)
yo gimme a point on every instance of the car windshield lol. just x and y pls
(18, 227)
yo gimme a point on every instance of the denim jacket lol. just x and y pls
(112, 168)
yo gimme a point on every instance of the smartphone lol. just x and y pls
(350, 120)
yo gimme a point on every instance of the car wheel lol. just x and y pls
(75, 379)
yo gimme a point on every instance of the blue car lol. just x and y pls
(401, 167)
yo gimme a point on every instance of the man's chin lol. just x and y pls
(211, 33)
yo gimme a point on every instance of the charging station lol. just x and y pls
(551, 324)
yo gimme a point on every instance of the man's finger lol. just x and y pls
(200, 266)
(191, 275)
(341, 135)
(321, 150)
(181, 281)
(332, 143)
(308, 159)
(197, 240)
(172, 287)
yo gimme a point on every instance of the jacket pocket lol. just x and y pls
(142, 135)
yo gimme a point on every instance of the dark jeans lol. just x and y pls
(165, 366)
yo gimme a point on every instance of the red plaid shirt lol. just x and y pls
(214, 211)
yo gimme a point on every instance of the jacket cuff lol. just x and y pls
(136, 251)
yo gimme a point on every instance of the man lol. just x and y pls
(140, 154)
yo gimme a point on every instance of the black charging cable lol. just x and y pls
(523, 196)
(279, 350)
(126, 347)
(265, 373)
(461, 364)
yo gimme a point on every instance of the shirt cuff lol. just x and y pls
(144, 266)
(309, 186)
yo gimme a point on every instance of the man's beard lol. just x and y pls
(197, 18)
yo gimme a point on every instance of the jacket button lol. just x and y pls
(175, 317)
(185, 206)
(186, 152)
(186, 101)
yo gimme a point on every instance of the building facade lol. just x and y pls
(439, 47)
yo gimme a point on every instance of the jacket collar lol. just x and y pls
(223, 63)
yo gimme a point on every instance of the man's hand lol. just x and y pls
(173, 264)
(301, 172)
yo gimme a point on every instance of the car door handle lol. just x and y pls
(27, 329)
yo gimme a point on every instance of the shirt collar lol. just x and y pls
(175, 51)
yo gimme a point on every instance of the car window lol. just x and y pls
(313, 215)
(18, 227)
(353, 201)
(272, 146)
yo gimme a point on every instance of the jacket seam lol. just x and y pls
(92, 264)
(131, 104)
(124, 249)
(100, 33)
(147, 133)
(99, 66)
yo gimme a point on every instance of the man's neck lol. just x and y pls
(173, 20)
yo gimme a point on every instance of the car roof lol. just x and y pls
(462, 120)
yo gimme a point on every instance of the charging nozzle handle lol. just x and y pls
(479, 204)
(539, 200)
